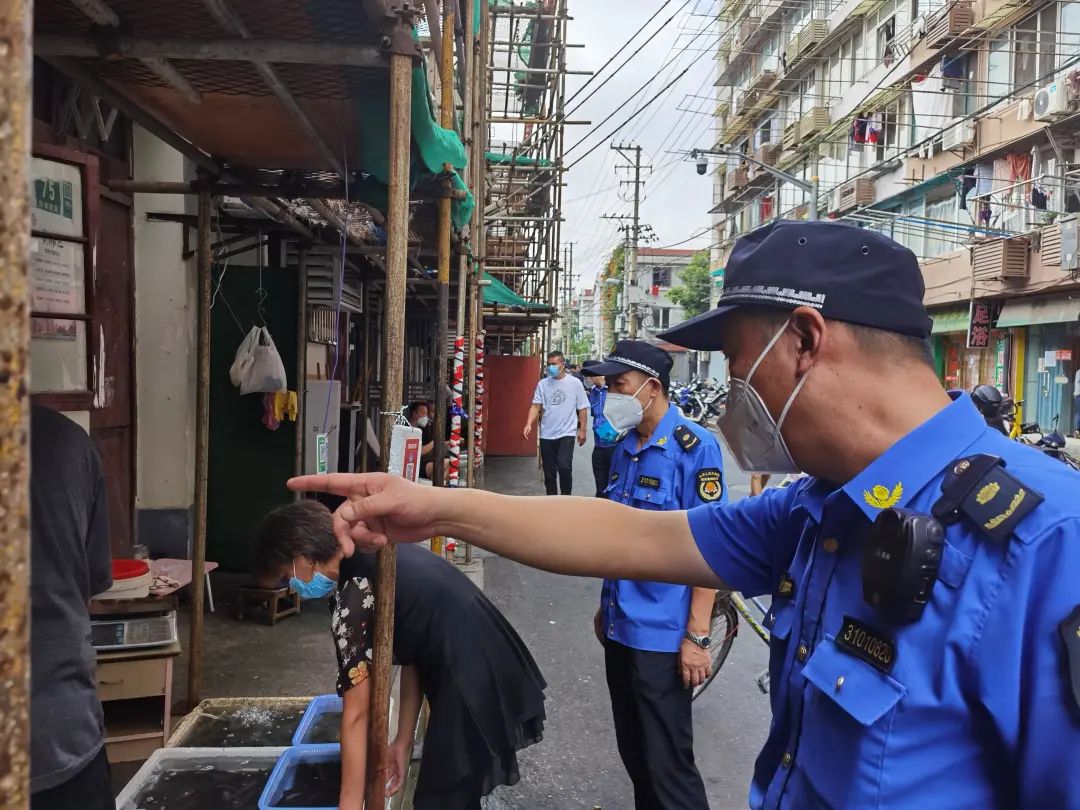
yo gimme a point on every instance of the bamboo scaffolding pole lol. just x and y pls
(442, 318)
(202, 452)
(397, 268)
(15, 122)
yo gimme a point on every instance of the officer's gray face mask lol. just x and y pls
(750, 433)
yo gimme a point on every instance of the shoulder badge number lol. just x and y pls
(881, 498)
(686, 438)
(1070, 635)
(709, 487)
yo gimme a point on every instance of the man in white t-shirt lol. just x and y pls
(561, 403)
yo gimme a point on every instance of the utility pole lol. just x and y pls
(633, 231)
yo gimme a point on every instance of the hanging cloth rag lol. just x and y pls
(269, 417)
(930, 105)
(984, 178)
(1024, 109)
(1019, 170)
(1002, 176)
(285, 406)
(875, 127)
(858, 129)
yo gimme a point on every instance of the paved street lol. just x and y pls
(577, 765)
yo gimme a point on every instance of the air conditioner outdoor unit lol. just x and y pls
(959, 134)
(1052, 100)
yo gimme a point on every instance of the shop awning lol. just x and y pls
(949, 320)
(1060, 309)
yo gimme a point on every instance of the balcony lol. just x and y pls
(812, 35)
(815, 121)
(747, 27)
(856, 194)
(950, 23)
(1000, 259)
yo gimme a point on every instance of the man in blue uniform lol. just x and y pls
(655, 634)
(925, 618)
(604, 435)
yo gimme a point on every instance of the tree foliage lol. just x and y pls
(692, 292)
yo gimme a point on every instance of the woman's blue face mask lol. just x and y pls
(320, 586)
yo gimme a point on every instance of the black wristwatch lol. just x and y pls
(701, 641)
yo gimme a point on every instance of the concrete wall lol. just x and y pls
(164, 355)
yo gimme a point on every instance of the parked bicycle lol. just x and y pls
(725, 627)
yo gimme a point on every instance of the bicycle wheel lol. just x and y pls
(722, 632)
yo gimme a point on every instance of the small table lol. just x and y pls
(180, 571)
(135, 688)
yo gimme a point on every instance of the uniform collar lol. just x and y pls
(661, 437)
(901, 472)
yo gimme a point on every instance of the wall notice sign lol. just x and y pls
(405, 451)
(322, 453)
(1050, 358)
(981, 319)
(1064, 355)
(56, 277)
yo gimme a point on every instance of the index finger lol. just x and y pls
(332, 483)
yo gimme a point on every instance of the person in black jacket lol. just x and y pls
(455, 649)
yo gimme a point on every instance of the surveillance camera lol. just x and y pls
(702, 166)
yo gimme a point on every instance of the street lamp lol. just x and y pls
(812, 187)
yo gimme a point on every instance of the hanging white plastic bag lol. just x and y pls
(261, 370)
(241, 365)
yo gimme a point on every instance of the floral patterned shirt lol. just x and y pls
(352, 611)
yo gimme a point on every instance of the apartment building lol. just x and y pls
(950, 126)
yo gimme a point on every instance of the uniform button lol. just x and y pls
(839, 683)
(802, 652)
(786, 760)
(648, 496)
(634, 459)
(831, 544)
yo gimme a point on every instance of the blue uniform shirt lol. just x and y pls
(975, 710)
(597, 397)
(680, 467)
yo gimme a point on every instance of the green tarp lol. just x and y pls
(433, 147)
(498, 293)
(520, 160)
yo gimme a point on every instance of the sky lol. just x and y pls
(676, 199)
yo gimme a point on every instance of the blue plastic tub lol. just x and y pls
(283, 777)
(315, 713)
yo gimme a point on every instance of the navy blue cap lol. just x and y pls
(635, 355)
(846, 272)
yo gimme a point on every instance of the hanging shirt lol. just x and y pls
(678, 468)
(968, 706)
(597, 397)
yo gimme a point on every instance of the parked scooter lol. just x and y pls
(1005, 415)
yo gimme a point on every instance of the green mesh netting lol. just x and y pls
(432, 147)
(521, 160)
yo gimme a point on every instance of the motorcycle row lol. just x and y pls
(1006, 415)
(700, 400)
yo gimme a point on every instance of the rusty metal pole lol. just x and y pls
(15, 95)
(402, 52)
(202, 452)
(301, 359)
(442, 323)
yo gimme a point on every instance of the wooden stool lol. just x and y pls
(267, 604)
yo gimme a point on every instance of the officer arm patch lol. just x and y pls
(709, 486)
(1070, 636)
(686, 438)
(980, 488)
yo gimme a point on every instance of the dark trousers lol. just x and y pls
(654, 729)
(601, 467)
(558, 458)
(1076, 414)
(89, 789)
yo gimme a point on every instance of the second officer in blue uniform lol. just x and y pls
(655, 635)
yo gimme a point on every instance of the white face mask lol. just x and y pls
(624, 411)
(751, 434)
(423, 421)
